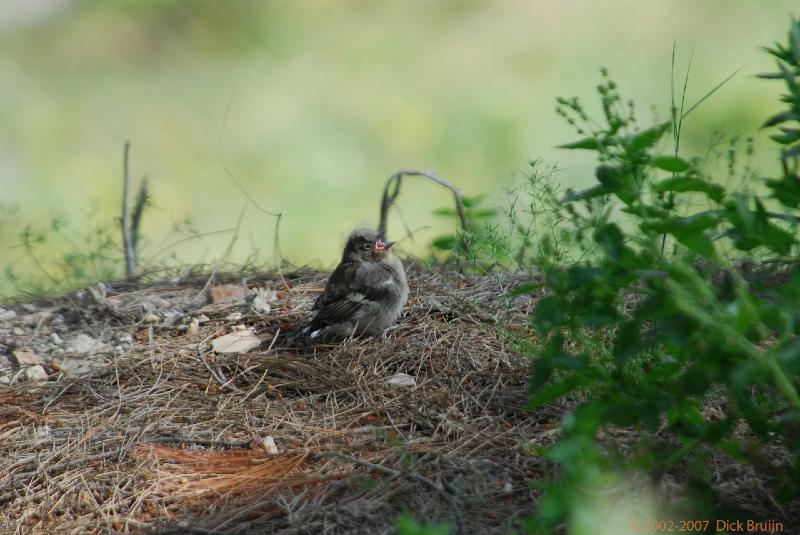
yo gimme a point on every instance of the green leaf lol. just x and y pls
(554, 391)
(670, 163)
(645, 139)
(523, 289)
(794, 41)
(734, 449)
(697, 243)
(791, 152)
(548, 313)
(407, 525)
(588, 143)
(447, 212)
(770, 76)
(445, 243)
(628, 340)
(612, 241)
(620, 181)
(688, 231)
(682, 184)
(695, 223)
(776, 238)
(786, 190)
(472, 202)
(786, 138)
(789, 77)
(486, 213)
(781, 118)
(596, 191)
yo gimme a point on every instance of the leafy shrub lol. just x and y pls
(57, 258)
(660, 317)
(528, 224)
(407, 525)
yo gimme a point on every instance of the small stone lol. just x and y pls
(268, 444)
(259, 305)
(233, 316)
(160, 302)
(17, 331)
(29, 308)
(227, 293)
(55, 339)
(171, 317)
(5, 380)
(150, 318)
(74, 366)
(125, 339)
(194, 326)
(84, 343)
(35, 374)
(260, 299)
(5, 364)
(401, 379)
(27, 358)
(98, 292)
(32, 320)
(7, 315)
(202, 319)
(236, 342)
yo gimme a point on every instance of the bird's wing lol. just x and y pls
(350, 287)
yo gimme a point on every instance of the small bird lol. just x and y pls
(366, 292)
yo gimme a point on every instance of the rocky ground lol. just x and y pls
(52, 339)
(185, 406)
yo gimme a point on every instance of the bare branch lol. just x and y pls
(276, 240)
(130, 254)
(142, 199)
(392, 190)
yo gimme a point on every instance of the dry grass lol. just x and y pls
(168, 437)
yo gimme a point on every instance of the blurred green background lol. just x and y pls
(313, 104)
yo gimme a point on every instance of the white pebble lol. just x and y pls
(35, 373)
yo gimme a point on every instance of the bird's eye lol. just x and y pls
(366, 246)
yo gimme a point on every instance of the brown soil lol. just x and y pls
(141, 427)
(162, 434)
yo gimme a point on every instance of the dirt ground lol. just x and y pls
(122, 412)
(120, 417)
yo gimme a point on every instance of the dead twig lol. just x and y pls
(127, 239)
(408, 474)
(382, 469)
(142, 201)
(392, 190)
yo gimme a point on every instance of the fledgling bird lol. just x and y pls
(366, 292)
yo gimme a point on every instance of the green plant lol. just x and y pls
(787, 188)
(512, 235)
(648, 337)
(56, 259)
(407, 525)
(61, 257)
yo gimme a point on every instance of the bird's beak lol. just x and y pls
(381, 245)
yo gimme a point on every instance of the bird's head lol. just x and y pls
(366, 245)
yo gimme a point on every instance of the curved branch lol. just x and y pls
(392, 190)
